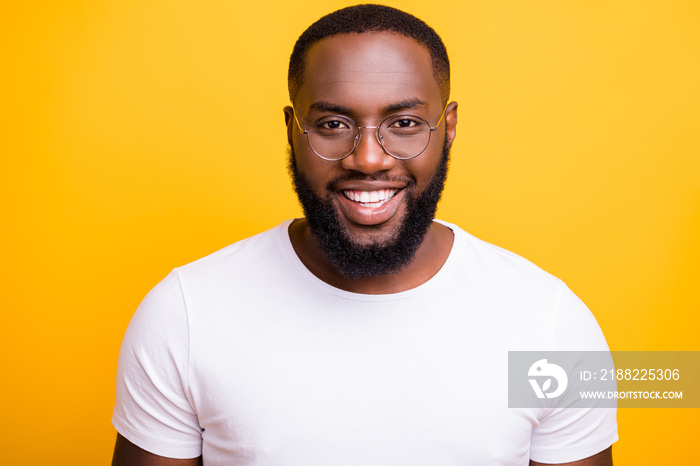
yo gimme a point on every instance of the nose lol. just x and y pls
(369, 156)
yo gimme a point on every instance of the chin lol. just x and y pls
(373, 236)
(364, 251)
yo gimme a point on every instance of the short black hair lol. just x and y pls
(370, 18)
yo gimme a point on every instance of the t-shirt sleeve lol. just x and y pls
(153, 408)
(570, 434)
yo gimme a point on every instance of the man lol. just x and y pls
(365, 333)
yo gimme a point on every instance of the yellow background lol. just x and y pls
(137, 136)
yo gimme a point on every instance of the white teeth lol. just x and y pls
(371, 198)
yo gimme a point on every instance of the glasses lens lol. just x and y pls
(405, 136)
(333, 137)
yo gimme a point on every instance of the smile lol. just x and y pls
(371, 199)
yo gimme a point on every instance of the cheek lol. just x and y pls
(424, 167)
(316, 171)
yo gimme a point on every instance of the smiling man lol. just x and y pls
(366, 333)
(370, 160)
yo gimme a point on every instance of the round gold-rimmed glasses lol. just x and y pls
(334, 137)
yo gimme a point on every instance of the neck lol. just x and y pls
(429, 258)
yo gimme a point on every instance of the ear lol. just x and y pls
(451, 123)
(289, 122)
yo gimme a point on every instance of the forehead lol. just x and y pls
(365, 72)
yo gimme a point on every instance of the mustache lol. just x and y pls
(406, 180)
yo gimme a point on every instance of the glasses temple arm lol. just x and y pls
(303, 131)
(441, 116)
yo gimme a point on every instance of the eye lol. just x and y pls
(405, 125)
(404, 122)
(332, 124)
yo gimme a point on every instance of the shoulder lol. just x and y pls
(498, 266)
(167, 306)
(524, 297)
(252, 249)
(253, 258)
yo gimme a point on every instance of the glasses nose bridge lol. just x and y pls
(377, 135)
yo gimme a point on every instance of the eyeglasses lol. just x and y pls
(334, 137)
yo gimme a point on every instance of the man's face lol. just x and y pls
(369, 77)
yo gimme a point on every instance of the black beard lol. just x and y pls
(354, 261)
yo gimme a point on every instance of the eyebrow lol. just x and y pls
(405, 105)
(324, 106)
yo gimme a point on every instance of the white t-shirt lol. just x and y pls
(247, 358)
